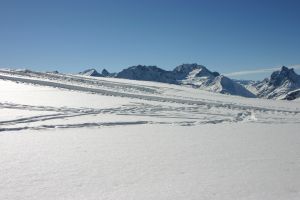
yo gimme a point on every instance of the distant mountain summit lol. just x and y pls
(105, 73)
(285, 76)
(147, 73)
(199, 76)
(193, 70)
(193, 75)
(90, 72)
(279, 84)
(94, 72)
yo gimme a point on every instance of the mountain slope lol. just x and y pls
(295, 94)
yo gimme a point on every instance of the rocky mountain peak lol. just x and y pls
(195, 70)
(285, 74)
(90, 72)
(186, 68)
(105, 72)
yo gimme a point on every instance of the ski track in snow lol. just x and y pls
(178, 111)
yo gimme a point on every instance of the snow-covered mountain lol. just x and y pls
(199, 76)
(105, 73)
(279, 85)
(192, 70)
(95, 73)
(194, 75)
(90, 72)
(147, 73)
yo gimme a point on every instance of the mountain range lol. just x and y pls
(282, 84)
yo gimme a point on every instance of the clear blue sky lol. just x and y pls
(226, 36)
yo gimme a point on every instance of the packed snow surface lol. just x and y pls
(76, 137)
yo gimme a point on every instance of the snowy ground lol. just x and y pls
(74, 137)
